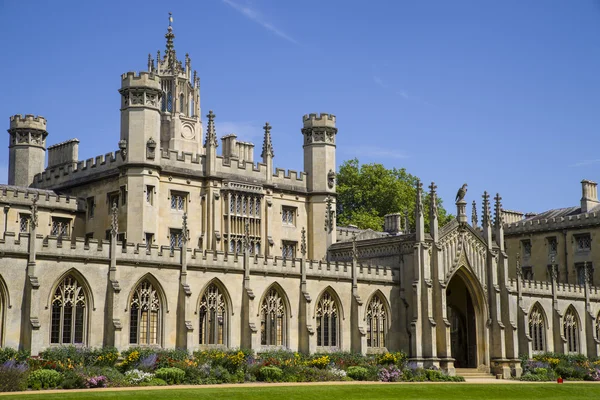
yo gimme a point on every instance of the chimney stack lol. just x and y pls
(589, 195)
(392, 223)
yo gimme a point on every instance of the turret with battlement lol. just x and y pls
(319, 133)
(27, 148)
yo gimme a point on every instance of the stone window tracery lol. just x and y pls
(213, 317)
(327, 321)
(145, 320)
(537, 329)
(272, 320)
(376, 323)
(240, 212)
(60, 227)
(69, 313)
(571, 331)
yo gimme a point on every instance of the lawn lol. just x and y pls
(547, 391)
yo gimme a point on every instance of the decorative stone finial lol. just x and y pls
(303, 243)
(170, 35)
(474, 215)
(184, 228)
(419, 201)
(34, 212)
(211, 134)
(433, 203)
(498, 210)
(114, 223)
(460, 195)
(486, 215)
(123, 148)
(267, 149)
(246, 237)
(354, 250)
(519, 270)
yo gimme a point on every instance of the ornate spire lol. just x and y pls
(267, 149)
(433, 204)
(474, 215)
(170, 35)
(498, 210)
(419, 200)
(486, 216)
(211, 135)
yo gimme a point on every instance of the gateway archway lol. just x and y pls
(466, 311)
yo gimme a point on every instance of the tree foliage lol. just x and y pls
(367, 192)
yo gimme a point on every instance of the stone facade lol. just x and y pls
(165, 242)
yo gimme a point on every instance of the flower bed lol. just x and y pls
(551, 366)
(70, 367)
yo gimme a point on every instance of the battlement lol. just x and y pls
(163, 257)
(319, 120)
(46, 199)
(571, 221)
(57, 176)
(29, 121)
(141, 79)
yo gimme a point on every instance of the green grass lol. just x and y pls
(549, 391)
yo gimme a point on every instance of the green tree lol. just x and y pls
(367, 192)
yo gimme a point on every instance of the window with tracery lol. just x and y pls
(145, 321)
(571, 331)
(242, 209)
(69, 313)
(60, 227)
(327, 321)
(181, 105)
(175, 238)
(169, 102)
(213, 317)
(272, 320)
(24, 222)
(537, 329)
(376, 323)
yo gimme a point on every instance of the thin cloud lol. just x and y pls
(379, 82)
(585, 163)
(402, 93)
(255, 16)
(373, 151)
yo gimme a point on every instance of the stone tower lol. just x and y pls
(27, 149)
(319, 163)
(181, 126)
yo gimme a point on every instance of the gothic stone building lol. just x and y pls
(167, 243)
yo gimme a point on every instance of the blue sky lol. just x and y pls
(502, 95)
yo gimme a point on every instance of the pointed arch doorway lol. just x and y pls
(462, 311)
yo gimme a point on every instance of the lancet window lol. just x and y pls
(571, 331)
(537, 329)
(377, 320)
(272, 320)
(69, 313)
(146, 320)
(213, 317)
(327, 321)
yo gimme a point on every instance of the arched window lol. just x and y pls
(145, 321)
(181, 104)
(537, 329)
(272, 320)
(69, 313)
(376, 323)
(213, 317)
(571, 331)
(327, 321)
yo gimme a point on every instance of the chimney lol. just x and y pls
(392, 223)
(589, 195)
(63, 154)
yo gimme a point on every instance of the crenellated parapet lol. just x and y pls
(45, 199)
(565, 222)
(133, 80)
(140, 90)
(319, 128)
(27, 122)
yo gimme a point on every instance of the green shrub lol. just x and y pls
(173, 376)
(44, 379)
(270, 374)
(72, 380)
(154, 382)
(358, 373)
(6, 354)
(13, 376)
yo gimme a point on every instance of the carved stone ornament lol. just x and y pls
(331, 179)
(123, 148)
(150, 149)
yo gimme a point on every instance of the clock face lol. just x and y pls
(187, 132)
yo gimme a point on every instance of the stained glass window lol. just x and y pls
(69, 313)
(145, 319)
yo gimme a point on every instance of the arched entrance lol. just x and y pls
(464, 311)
